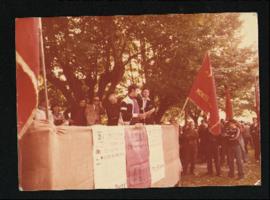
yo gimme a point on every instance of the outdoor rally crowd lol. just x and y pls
(197, 144)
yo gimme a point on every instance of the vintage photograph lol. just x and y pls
(138, 101)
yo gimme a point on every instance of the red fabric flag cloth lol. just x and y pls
(203, 94)
(27, 70)
(229, 109)
(137, 158)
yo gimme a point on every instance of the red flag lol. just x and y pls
(27, 70)
(203, 94)
(229, 109)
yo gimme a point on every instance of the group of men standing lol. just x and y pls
(135, 108)
(200, 145)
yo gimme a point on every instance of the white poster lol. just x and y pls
(109, 157)
(155, 141)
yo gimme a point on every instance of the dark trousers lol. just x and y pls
(224, 154)
(202, 152)
(213, 154)
(234, 152)
(189, 155)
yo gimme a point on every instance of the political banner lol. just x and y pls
(137, 158)
(109, 157)
(156, 154)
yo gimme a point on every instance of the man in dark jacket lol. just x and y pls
(212, 153)
(112, 108)
(203, 134)
(78, 116)
(190, 144)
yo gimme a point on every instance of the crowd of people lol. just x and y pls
(136, 107)
(199, 145)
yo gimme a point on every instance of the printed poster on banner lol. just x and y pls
(137, 155)
(109, 157)
(156, 154)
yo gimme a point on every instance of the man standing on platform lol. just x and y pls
(94, 111)
(130, 109)
(112, 108)
(78, 117)
(147, 106)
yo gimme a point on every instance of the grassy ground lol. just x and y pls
(252, 172)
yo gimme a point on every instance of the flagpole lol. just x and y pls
(43, 68)
(184, 106)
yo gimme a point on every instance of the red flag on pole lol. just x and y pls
(203, 94)
(27, 70)
(229, 109)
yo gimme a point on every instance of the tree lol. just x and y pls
(85, 56)
(97, 55)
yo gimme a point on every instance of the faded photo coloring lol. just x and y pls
(138, 101)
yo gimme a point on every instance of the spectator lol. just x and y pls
(232, 134)
(78, 117)
(223, 144)
(146, 106)
(254, 131)
(130, 109)
(41, 110)
(247, 137)
(212, 153)
(58, 117)
(190, 142)
(203, 132)
(94, 111)
(112, 108)
(242, 142)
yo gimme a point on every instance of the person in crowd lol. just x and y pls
(232, 134)
(242, 142)
(94, 111)
(58, 117)
(203, 132)
(146, 106)
(247, 137)
(189, 151)
(41, 110)
(212, 153)
(78, 117)
(223, 144)
(255, 133)
(129, 107)
(112, 107)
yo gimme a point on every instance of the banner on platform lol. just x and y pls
(109, 157)
(156, 154)
(137, 158)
